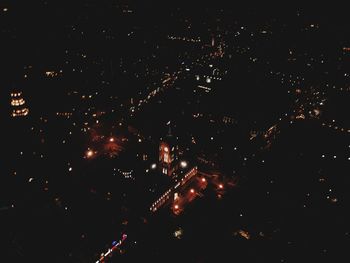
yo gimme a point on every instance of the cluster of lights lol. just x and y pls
(189, 175)
(160, 201)
(51, 74)
(64, 114)
(20, 113)
(16, 102)
(194, 40)
(127, 174)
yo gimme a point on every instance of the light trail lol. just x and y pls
(115, 245)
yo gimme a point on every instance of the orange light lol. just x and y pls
(192, 190)
(89, 153)
(221, 186)
(203, 180)
(111, 139)
(176, 207)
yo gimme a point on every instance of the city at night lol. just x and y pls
(174, 131)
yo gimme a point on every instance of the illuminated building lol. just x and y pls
(168, 154)
(19, 108)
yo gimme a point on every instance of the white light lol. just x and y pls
(154, 166)
(183, 164)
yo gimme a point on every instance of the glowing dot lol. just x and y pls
(183, 164)
(89, 153)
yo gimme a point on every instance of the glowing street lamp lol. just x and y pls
(221, 186)
(204, 180)
(183, 164)
(192, 191)
(89, 153)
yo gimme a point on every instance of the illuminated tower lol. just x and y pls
(168, 154)
(19, 108)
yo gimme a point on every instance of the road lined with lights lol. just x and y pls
(109, 252)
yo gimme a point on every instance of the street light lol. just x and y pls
(183, 164)
(89, 153)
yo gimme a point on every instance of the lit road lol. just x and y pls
(115, 245)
